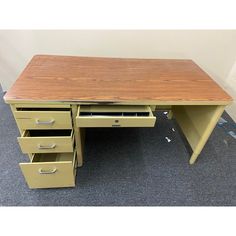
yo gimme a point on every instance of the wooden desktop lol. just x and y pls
(57, 97)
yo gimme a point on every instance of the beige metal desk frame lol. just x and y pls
(67, 84)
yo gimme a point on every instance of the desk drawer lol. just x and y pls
(115, 116)
(46, 141)
(52, 170)
(43, 119)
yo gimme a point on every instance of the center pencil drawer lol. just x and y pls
(51, 170)
(43, 119)
(46, 141)
(115, 116)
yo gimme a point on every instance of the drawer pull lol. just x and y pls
(50, 122)
(47, 147)
(41, 171)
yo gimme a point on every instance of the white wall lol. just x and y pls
(214, 51)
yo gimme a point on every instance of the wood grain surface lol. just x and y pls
(113, 80)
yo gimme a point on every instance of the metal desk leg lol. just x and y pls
(79, 137)
(197, 124)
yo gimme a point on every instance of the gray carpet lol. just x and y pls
(129, 167)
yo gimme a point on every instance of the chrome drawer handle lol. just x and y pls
(50, 122)
(41, 171)
(46, 147)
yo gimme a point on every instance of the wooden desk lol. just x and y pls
(54, 92)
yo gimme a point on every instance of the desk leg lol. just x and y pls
(79, 136)
(170, 115)
(197, 124)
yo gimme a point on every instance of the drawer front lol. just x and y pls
(43, 119)
(48, 144)
(114, 120)
(54, 174)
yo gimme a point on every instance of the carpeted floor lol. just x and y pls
(129, 167)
